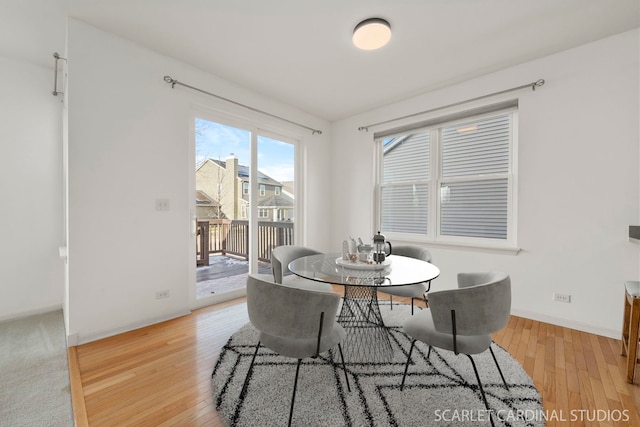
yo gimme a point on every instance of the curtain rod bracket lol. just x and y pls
(56, 57)
(536, 84)
(175, 82)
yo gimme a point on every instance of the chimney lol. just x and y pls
(231, 188)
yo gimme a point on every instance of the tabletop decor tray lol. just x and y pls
(359, 265)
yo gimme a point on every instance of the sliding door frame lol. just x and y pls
(256, 128)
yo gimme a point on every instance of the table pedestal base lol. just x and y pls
(367, 338)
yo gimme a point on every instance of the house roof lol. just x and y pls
(203, 199)
(243, 173)
(279, 201)
(392, 143)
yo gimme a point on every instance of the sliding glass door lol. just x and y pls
(244, 205)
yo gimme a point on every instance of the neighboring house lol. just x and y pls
(276, 207)
(206, 206)
(227, 183)
(288, 187)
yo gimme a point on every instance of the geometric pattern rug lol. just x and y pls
(441, 390)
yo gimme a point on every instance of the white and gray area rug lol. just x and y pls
(440, 391)
(34, 376)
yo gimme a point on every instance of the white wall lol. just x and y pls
(31, 272)
(578, 182)
(128, 145)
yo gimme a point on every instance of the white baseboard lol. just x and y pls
(79, 340)
(218, 298)
(27, 313)
(72, 340)
(584, 327)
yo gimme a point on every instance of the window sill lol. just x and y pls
(502, 250)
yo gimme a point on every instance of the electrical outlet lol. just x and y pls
(561, 297)
(162, 294)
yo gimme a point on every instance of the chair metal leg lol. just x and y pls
(429, 353)
(391, 301)
(412, 306)
(425, 298)
(293, 397)
(406, 365)
(484, 398)
(498, 366)
(243, 391)
(344, 368)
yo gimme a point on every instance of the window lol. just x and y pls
(245, 187)
(451, 182)
(276, 191)
(263, 189)
(405, 186)
(263, 213)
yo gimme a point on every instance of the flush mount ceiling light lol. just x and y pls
(372, 33)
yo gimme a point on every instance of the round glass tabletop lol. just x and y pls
(395, 271)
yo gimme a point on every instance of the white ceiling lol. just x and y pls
(300, 52)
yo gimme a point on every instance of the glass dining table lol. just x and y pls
(368, 338)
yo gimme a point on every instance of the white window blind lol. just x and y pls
(471, 178)
(405, 189)
(476, 155)
(405, 208)
(475, 209)
(476, 148)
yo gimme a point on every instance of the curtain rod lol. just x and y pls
(174, 82)
(532, 85)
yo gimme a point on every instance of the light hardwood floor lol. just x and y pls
(160, 375)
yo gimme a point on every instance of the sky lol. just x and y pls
(216, 141)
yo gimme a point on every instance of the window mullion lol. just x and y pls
(472, 178)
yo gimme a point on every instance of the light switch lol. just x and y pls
(162, 204)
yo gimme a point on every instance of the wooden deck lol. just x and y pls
(223, 274)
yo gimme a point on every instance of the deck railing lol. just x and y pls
(226, 236)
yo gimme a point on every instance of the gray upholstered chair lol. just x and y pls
(462, 320)
(303, 324)
(281, 256)
(418, 290)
